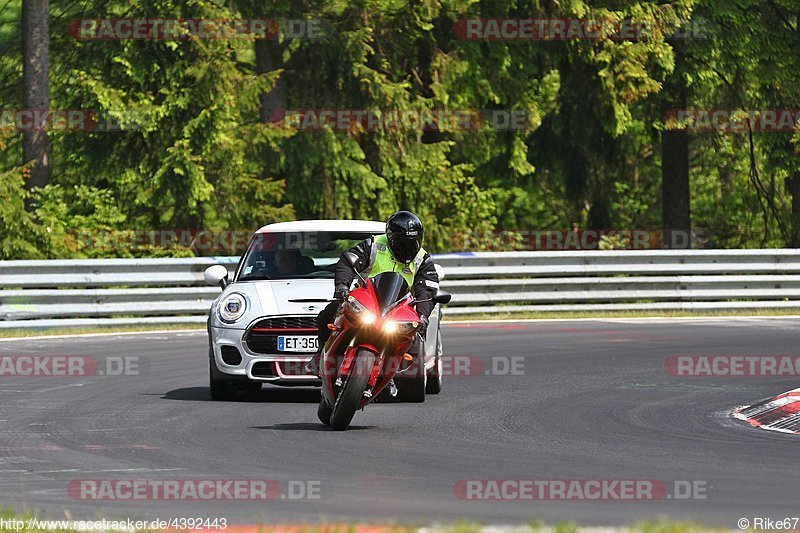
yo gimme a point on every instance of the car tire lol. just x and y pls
(324, 412)
(412, 389)
(220, 391)
(249, 386)
(434, 385)
(223, 390)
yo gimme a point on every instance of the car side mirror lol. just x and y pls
(216, 275)
(442, 297)
(350, 259)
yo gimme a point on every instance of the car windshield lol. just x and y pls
(292, 255)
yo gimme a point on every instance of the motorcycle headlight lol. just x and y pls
(403, 328)
(232, 308)
(359, 310)
(355, 306)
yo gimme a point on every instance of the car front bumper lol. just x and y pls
(277, 368)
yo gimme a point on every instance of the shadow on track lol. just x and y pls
(305, 426)
(265, 395)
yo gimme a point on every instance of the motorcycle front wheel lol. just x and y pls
(352, 392)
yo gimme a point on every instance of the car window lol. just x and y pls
(295, 255)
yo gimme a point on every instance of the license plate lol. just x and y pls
(298, 343)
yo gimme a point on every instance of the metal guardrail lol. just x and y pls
(106, 292)
(622, 280)
(47, 294)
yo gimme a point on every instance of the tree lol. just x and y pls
(36, 86)
(675, 200)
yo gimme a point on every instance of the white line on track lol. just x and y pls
(104, 471)
(133, 470)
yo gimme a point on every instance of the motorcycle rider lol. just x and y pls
(398, 250)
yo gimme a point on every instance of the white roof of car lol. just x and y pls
(356, 226)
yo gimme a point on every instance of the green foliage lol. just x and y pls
(20, 236)
(193, 149)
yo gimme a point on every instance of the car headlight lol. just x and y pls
(403, 328)
(232, 308)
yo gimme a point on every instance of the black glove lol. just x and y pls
(341, 293)
(423, 326)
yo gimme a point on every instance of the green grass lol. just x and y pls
(11, 333)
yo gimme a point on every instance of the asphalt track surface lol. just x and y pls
(593, 401)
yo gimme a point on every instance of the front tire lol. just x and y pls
(220, 392)
(223, 390)
(434, 385)
(350, 396)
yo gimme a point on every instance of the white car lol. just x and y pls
(263, 329)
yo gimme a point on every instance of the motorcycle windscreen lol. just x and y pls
(389, 287)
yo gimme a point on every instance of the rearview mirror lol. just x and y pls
(216, 275)
(350, 259)
(442, 297)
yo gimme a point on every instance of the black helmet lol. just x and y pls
(404, 235)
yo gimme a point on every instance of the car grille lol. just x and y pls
(274, 369)
(263, 336)
(263, 369)
(287, 322)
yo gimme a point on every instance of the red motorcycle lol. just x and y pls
(372, 331)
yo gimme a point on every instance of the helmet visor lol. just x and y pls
(404, 249)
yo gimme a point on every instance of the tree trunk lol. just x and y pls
(269, 57)
(675, 199)
(36, 86)
(794, 190)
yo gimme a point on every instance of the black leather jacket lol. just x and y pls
(426, 280)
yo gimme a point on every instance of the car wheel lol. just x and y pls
(249, 386)
(324, 412)
(412, 388)
(434, 385)
(220, 391)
